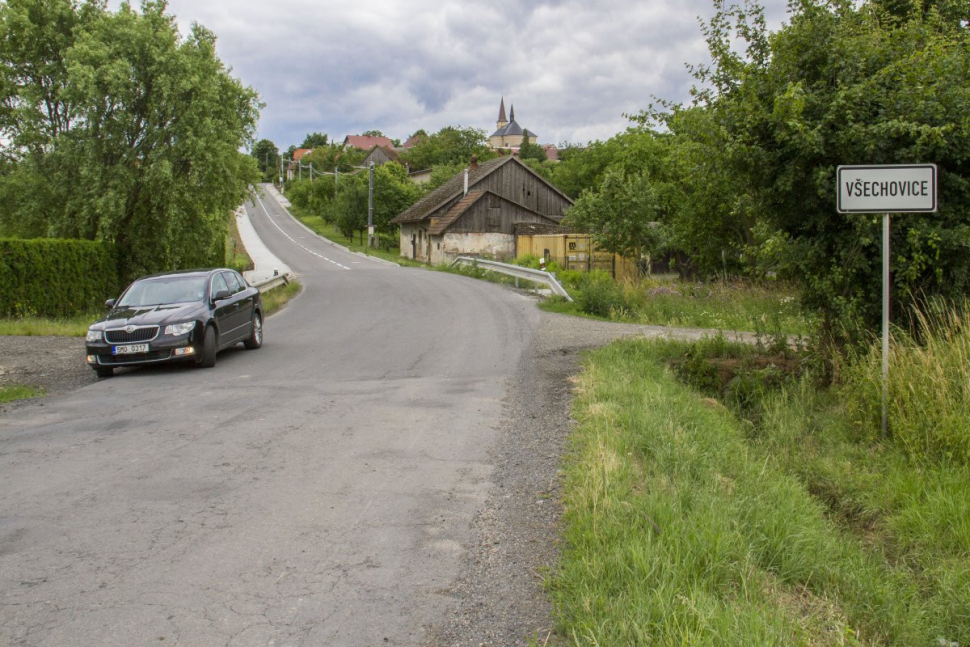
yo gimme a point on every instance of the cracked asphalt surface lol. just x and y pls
(382, 472)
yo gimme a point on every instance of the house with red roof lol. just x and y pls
(366, 142)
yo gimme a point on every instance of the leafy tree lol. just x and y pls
(327, 158)
(840, 84)
(393, 193)
(625, 215)
(450, 145)
(140, 146)
(373, 133)
(528, 150)
(314, 140)
(267, 158)
(350, 205)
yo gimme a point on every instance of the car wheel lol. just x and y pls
(104, 371)
(256, 338)
(207, 359)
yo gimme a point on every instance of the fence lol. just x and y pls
(575, 252)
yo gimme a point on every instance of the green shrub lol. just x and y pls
(600, 295)
(55, 278)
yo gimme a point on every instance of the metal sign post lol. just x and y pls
(886, 189)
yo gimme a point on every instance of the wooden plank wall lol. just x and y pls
(519, 185)
(482, 217)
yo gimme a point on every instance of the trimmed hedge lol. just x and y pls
(56, 278)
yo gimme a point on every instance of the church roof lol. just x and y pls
(513, 129)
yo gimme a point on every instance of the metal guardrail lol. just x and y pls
(536, 276)
(272, 282)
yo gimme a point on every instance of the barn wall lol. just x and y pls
(521, 186)
(449, 246)
(493, 215)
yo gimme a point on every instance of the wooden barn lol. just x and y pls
(380, 155)
(475, 212)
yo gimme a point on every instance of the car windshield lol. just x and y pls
(172, 289)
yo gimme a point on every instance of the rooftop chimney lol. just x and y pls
(466, 182)
(474, 164)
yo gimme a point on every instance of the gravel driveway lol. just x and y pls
(499, 595)
(55, 364)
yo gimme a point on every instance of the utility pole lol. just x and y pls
(370, 208)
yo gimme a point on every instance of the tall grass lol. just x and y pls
(686, 527)
(928, 387)
(721, 304)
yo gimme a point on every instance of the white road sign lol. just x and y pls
(887, 189)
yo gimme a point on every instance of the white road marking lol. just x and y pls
(266, 211)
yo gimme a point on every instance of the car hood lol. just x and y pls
(151, 315)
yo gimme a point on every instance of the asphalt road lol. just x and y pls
(318, 491)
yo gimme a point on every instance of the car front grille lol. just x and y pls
(122, 336)
(140, 358)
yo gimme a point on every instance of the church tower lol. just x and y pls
(502, 121)
(508, 134)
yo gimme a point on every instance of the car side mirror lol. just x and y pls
(109, 304)
(220, 295)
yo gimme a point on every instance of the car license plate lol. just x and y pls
(129, 349)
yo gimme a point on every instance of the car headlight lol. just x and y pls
(179, 328)
(94, 334)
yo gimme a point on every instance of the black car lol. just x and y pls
(179, 316)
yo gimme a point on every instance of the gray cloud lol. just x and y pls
(571, 68)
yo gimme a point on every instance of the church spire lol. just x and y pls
(501, 114)
(512, 112)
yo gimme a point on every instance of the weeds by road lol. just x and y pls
(276, 298)
(719, 305)
(76, 326)
(770, 520)
(19, 392)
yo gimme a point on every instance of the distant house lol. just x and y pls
(380, 155)
(479, 220)
(419, 177)
(297, 156)
(508, 134)
(415, 139)
(366, 142)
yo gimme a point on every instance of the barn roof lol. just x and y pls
(448, 191)
(440, 225)
(454, 187)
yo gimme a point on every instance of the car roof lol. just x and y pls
(196, 272)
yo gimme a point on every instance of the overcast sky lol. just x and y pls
(571, 68)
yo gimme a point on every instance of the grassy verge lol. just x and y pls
(691, 522)
(19, 392)
(721, 305)
(43, 327)
(276, 298)
(329, 231)
(476, 272)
